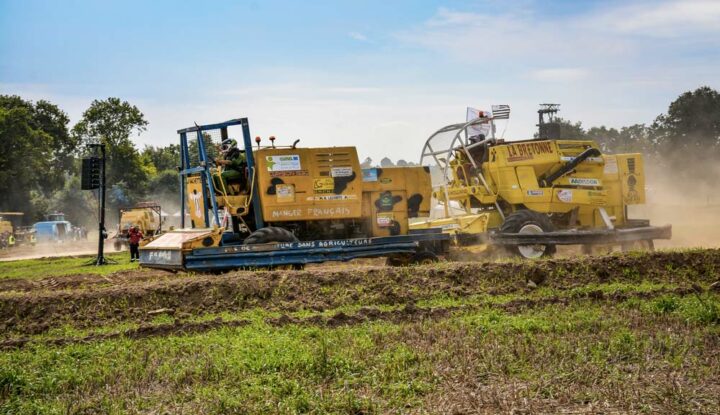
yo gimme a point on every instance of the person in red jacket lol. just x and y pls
(134, 237)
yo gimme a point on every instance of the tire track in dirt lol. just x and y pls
(36, 312)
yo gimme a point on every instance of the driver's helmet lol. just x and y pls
(227, 144)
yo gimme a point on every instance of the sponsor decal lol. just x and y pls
(535, 192)
(289, 173)
(582, 181)
(565, 195)
(283, 163)
(341, 172)
(332, 197)
(527, 151)
(384, 220)
(285, 192)
(611, 166)
(324, 185)
(370, 175)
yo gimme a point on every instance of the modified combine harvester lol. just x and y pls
(532, 195)
(291, 206)
(147, 216)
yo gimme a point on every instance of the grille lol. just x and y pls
(631, 165)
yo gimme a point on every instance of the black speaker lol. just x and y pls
(90, 175)
(550, 131)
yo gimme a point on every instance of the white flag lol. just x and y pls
(477, 129)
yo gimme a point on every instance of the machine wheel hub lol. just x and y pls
(531, 251)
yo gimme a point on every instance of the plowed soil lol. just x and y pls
(89, 300)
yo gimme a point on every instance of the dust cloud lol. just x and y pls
(688, 200)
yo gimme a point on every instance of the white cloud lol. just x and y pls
(672, 19)
(511, 37)
(358, 36)
(560, 74)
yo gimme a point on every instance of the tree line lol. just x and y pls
(40, 152)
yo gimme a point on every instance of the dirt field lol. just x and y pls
(614, 334)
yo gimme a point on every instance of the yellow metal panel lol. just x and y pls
(195, 201)
(393, 194)
(309, 183)
(632, 178)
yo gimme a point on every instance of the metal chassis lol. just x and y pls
(230, 257)
(584, 237)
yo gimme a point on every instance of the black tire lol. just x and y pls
(418, 258)
(424, 258)
(270, 234)
(524, 219)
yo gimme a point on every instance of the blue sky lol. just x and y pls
(381, 75)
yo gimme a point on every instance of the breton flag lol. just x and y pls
(501, 112)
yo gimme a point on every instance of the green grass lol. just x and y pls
(54, 267)
(638, 346)
(572, 352)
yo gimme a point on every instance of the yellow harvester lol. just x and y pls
(535, 194)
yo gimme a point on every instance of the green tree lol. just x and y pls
(164, 185)
(607, 138)
(113, 122)
(211, 149)
(163, 158)
(35, 151)
(691, 126)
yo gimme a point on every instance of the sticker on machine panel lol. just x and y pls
(331, 197)
(565, 195)
(385, 219)
(370, 175)
(283, 163)
(289, 173)
(611, 166)
(285, 192)
(582, 181)
(535, 192)
(324, 185)
(341, 172)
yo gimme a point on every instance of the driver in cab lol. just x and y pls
(233, 163)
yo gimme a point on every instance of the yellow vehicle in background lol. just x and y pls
(532, 195)
(12, 234)
(147, 216)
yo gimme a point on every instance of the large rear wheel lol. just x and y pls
(529, 222)
(272, 234)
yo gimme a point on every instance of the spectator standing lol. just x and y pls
(134, 238)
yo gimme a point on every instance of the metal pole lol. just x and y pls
(100, 260)
(101, 237)
(250, 159)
